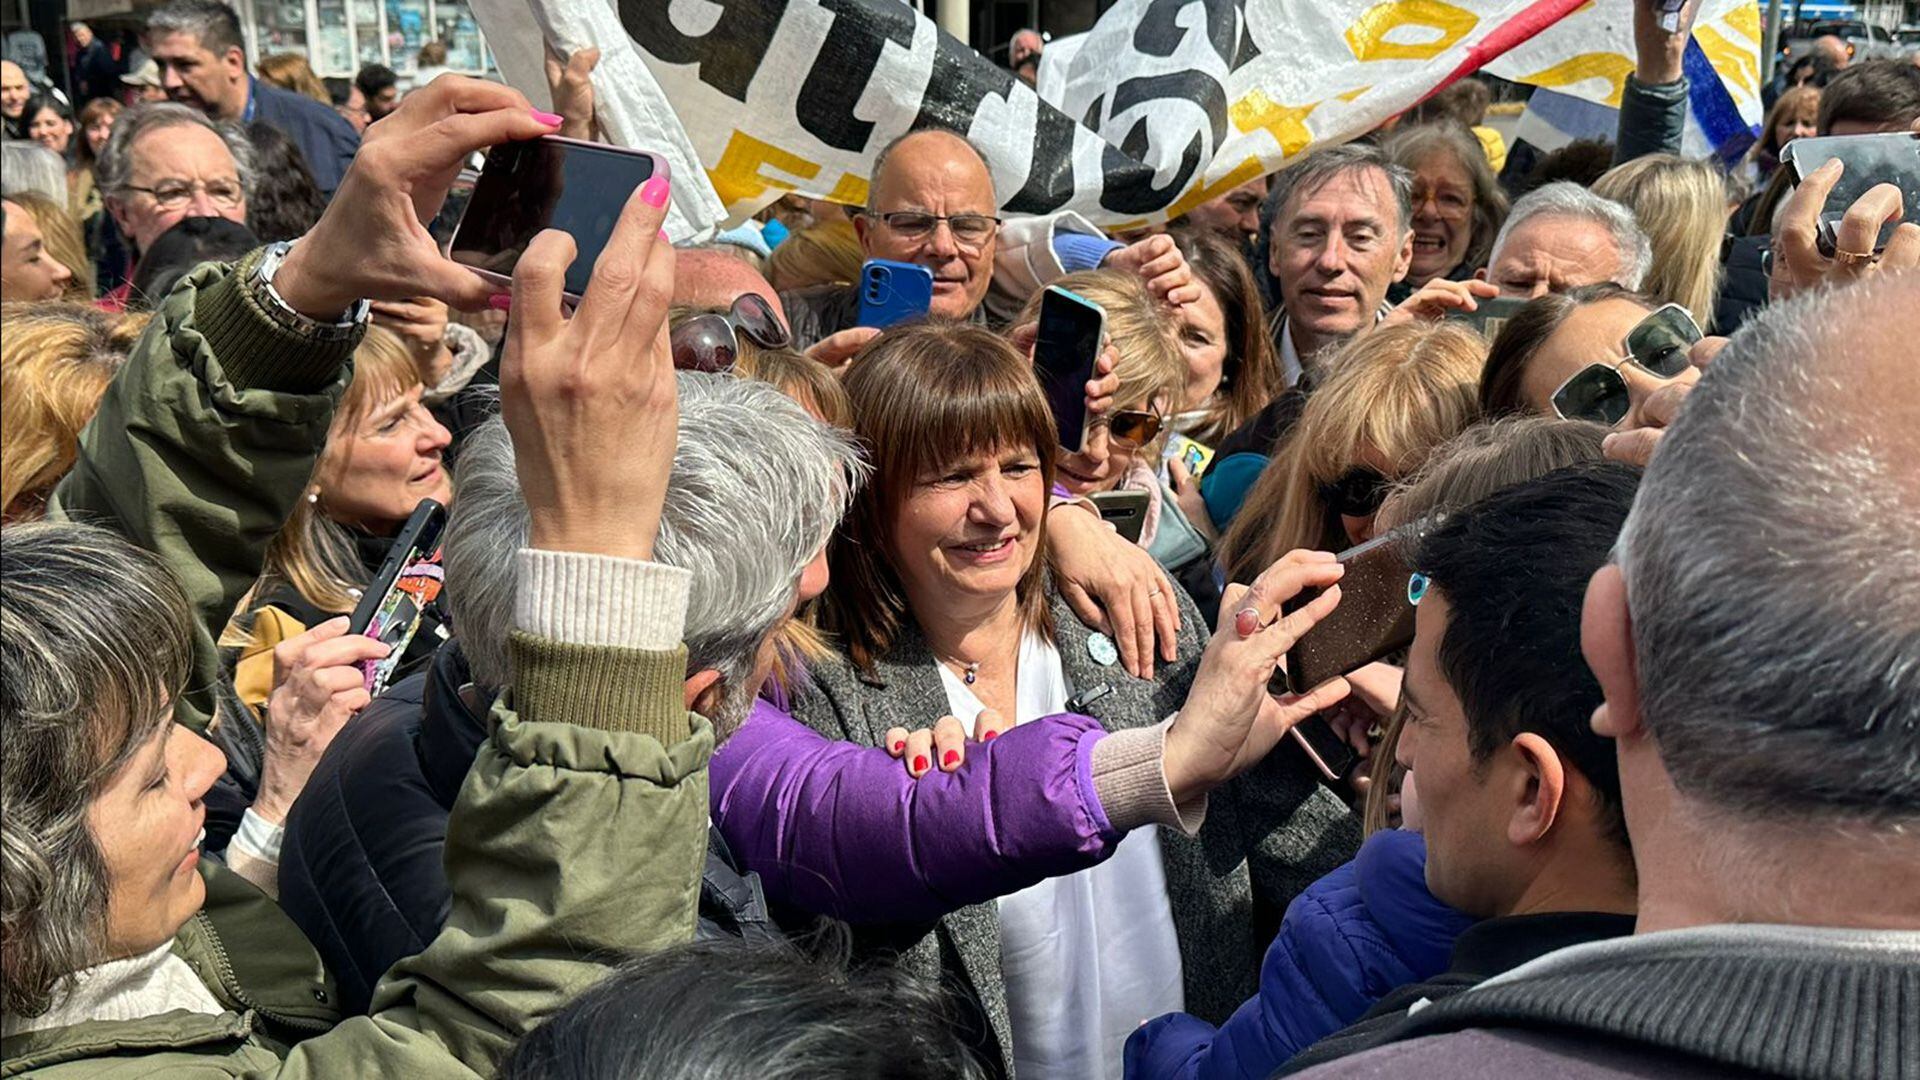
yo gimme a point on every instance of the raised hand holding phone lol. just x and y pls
(589, 399)
(372, 242)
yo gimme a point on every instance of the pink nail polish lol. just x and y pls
(500, 301)
(663, 237)
(655, 191)
(547, 118)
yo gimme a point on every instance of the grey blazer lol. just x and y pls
(1268, 834)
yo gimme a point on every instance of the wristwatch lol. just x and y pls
(261, 284)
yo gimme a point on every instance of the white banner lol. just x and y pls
(1164, 104)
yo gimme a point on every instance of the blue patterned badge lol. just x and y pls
(1103, 650)
(1417, 589)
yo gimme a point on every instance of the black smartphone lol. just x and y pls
(1330, 754)
(1126, 511)
(1491, 315)
(548, 183)
(409, 580)
(1374, 619)
(1868, 160)
(1070, 334)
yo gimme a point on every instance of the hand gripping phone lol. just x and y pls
(893, 292)
(1374, 619)
(409, 580)
(1072, 329)
(548, 183)
(1867, 160)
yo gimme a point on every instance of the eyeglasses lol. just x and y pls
(972, 230)
(1358, 493)
(1447, 204)
(1657, 345)
(1134, 427)
(174, 194)
(711, 341)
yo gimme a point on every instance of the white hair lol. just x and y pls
(1772, 566)
(757, 487)
(27, 167)
(114, 169)
(1566, 199)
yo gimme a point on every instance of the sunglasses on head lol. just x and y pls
(1358, 493)
(711, 341)
(1658, 345)
(1134, 427)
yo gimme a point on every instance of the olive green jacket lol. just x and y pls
(577, 838)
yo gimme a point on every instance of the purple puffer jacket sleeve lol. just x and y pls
(842, 830)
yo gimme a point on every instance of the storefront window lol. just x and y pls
(369, 41)
(351, 34)
(453, 24)
(407, 30)
(280, 26)
(334, 56)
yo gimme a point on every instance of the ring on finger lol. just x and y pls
(1854, 259)
(1246, 621)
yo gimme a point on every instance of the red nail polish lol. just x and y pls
(990, 736)
(950, 757)
(547, 118)
(899, 745)
(920, 763)
(500, 301)
(655, 191)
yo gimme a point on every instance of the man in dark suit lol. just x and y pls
(203, 63)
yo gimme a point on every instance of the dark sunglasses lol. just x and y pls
(1358, 493)
(711, 341)
(1134, 427)
(1658, 345)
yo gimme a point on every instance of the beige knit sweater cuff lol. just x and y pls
(1129, 776)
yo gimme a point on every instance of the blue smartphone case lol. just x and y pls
(893, 292)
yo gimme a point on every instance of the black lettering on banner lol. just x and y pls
(1158, 35)
(847, 61)
(1127, 182)
(960, 82)
(1050, 178)
(729, 54)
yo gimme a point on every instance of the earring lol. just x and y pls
(314, 496)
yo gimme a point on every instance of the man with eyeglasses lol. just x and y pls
(932, 203)
(167, 162)
(203, 63)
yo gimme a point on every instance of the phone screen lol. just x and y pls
(547, 183)
(1869, 160)
(1375, 617)
(1064, 354)
(396, 600)
(1491, 315)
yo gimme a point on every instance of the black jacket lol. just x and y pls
(360, 867)
(1483, 950)
(820, 311)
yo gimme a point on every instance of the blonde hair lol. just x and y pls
(56, 360)
(66, 243)
(1151, 364)
(1399, 392)
(1681, 204)
(313, 553)
(806, 381)
(825, 254)
(290, 71)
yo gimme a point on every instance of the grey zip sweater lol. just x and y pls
(1781, 1001)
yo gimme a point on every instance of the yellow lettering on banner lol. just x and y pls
(1367, 37)
(1354, 94)
(1735, 64)
(1745, 19)
(1612, 67)
(1243, 172)
(738, 178)
(1286, 123)
(850, 191)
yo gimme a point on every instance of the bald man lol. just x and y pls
(14, 92)
(713, 280)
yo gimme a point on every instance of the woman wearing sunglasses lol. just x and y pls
(1152, 374)
(1391, 397)
(941, 596)
(1596, 353)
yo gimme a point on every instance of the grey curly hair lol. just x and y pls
(114, 169)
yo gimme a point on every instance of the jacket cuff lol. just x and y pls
(1129, 778)
(604, 687)
(600, 599)
(1079, 251)
(254, 350)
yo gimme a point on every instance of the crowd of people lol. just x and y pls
(790, 707)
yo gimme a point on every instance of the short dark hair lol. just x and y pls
(1514, 568)
(733, 1008)
(1513, 349)
(374, 78)
(339, 88)
(285, 201)
(216, 25)
(1879, 93)
(177, 251)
